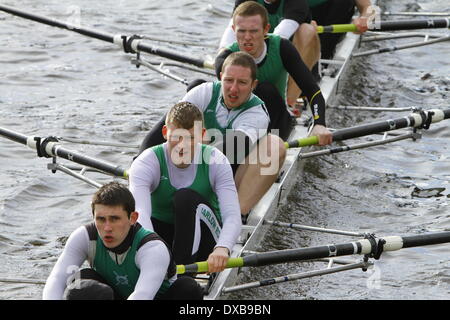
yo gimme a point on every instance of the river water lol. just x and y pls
(55, 82)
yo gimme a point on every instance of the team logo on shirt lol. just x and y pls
(121, 280)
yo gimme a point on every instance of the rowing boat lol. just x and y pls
(265, 212)
(267, 209)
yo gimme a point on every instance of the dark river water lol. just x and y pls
(55, 82)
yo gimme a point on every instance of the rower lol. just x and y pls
(238, 115)
(185, 191)
(328, 12)
(290, 19)
(276, 57)
(127, 261)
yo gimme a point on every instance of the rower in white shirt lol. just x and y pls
(230, 107)
(238, 121)
(185, 192)
(289, 19)
(126, 260)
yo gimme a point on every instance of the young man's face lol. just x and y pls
(250, 34)
(237, 85)
(113, 224)
(182, 143)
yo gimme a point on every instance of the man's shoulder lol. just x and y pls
(152, 246)
(225, 52)
(200, 90)
(199, 94)
(150, 236)
(259, 109)
(148, 239)
(78, 239)
(91, 231)
(148, 156)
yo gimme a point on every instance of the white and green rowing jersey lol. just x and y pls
(147, 173)
(149, 261)
(119, 269)
(252, 119)
(272, 70)
(162, 196)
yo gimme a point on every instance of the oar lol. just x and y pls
(418, 13)
(402, 47)
(49, 147)
(129, 44)
(389, 25)
(28, 281)
(424, 118)
(369, 246)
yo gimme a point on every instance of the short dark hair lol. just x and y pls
(243, 59)
(252, 8)
(183, 115)
(114, 194)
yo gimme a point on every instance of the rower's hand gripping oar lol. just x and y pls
(421, 119)
(130, 44)
(371, 246)
(389, 26)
